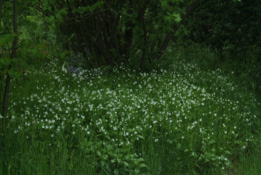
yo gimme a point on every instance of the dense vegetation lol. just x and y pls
(130, 87)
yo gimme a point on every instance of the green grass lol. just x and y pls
(250, 164)
(182, 120)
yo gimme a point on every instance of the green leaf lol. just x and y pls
(5, 61)
(99, 153)
(119, 160)
(142, 165)
(90, 8)
(164, 3)
(6, 38)
(137, 171)
(13, 73)
(177, 17)
(58, 16)
(193, 154)
(116, 172)
(211, 141)
(139, 160)
(102, 163)
(170, 141)
(228, 163)
(126, 163)
(156, 26)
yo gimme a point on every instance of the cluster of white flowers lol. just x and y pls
(131, 106)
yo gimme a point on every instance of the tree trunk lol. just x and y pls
(125, 51)
(144, 53)
(1, 6)
(8, 77)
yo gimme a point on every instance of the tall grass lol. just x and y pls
(180, 120)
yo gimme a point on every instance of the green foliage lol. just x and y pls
(114, 31)
(4, 39)
(14, 55)
(183, 119)
(250, 163)
(232, 28)
(205, 57)
(191, 114)
(96, 6)
(246, 73)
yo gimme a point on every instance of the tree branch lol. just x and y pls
(169, 36)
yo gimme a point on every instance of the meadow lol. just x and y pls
(119, 121)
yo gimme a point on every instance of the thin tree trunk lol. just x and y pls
(1, 6)
(128, 34)
(8, 77)
(144, 53)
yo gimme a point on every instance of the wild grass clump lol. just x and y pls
(126, 122)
